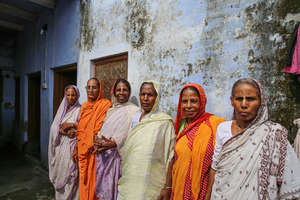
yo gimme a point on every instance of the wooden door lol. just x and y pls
(63, 76)
(34, 104)
(108, 70)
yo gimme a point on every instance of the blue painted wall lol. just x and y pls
(62, 38)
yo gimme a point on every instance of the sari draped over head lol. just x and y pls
(90, 122)
(63, 172)
(258, 163)
(146, 154)
(193, 151)
(116, 126)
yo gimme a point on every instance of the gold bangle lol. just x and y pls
(167, 188)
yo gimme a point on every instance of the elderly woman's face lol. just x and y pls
(245, 102)
(147, 97)
(190, 103)
(92, 90)
(122, 93)
(71, 96)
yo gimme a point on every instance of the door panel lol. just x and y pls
(62, 77)
(34, 112)
(108, 70)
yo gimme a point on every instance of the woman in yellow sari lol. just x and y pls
(195, 137)
(147, 150)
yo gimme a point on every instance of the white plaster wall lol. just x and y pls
(209, 42)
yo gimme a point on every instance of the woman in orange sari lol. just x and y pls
(188, 174)
(90, 122)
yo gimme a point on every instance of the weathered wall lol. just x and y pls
(62, 49)
(210, 42)
(7, 96)
(7, 103)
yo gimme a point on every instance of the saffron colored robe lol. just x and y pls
(91, 119)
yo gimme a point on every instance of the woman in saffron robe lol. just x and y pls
(253, 159)
(195, 130)
(147, 150)
(110, 140)
(91, 119)
(63, 171)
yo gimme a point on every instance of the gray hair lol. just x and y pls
(245, 80)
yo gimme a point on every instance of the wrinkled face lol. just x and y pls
(122, 93)
(190, 103)
(245, 102)
(71, 96)
(92, 90)
(147, 97)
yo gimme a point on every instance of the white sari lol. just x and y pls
(258, 163)
(146, 154)
(63, 172)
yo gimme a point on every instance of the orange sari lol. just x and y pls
(90, 122)
(193, 151)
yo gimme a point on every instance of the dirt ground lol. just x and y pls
(22, 177)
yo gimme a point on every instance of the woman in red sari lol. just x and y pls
(188, 175)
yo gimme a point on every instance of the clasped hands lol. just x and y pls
(68, 129)
(102, 144)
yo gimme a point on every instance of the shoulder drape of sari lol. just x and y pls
(145, 158)
(193, 150)
(90, 122)
(117, 122)
(258, 163)
(116, 126)
(191, 169)
(263, 165)
(63, 172)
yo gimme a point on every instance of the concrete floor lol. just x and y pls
(22, 177)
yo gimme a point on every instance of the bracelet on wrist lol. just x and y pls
(167, 188)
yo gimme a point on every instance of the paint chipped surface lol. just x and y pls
(212, 43)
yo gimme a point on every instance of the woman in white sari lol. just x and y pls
(110, 140)
(253, 159)
(147, 150)
(63, 171)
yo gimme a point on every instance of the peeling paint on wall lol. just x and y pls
(87, 31)
(269, 59)
(209, 42)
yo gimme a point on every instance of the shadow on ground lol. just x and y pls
(22, 177)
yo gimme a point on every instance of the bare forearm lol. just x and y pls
(169, 173)
(211, 181)
(165, 193)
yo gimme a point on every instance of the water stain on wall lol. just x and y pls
(87, 32)
(268, 58)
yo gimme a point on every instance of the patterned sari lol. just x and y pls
(258, 163)
(193, 151)
(63, 172)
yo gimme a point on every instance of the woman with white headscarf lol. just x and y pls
(253, 159)
(63, 171)
(147, 150)
(110, 140)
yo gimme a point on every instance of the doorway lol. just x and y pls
(1, 99)
(34, 113)
(63, 76)
(109, 69)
